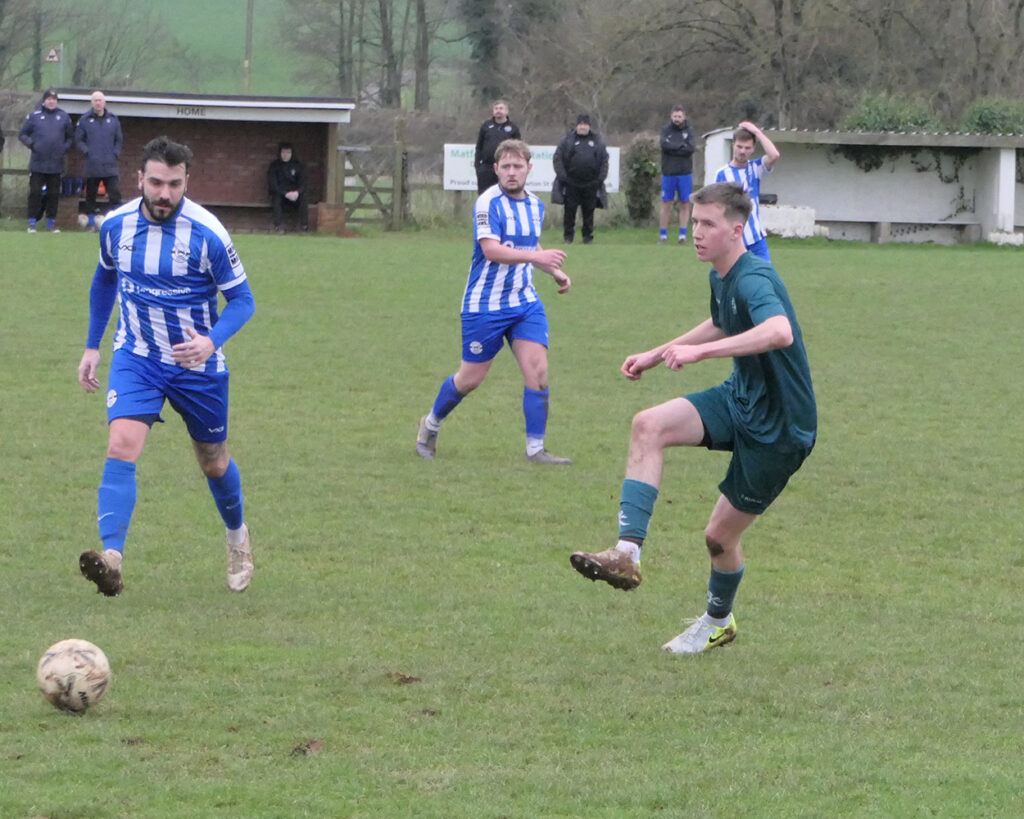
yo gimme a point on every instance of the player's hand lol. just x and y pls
(633, 367)
(550, 260)
(194, 352)
(292, 196)
(680, 354)
(87, 368)
(563, 281)
(749, 126)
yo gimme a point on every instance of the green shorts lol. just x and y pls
(757, 472)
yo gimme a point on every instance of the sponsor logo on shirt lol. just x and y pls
(130, 287)
(233, 256)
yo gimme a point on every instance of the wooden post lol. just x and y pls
(398, 176)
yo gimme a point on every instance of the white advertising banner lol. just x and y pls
(459, 174)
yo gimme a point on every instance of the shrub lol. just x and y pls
(994, 116)
(883, 112)
(642, 173)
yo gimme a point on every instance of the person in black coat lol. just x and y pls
(48, 133)
(678, 143)
(286, 181)
(492, 133)
(581, 166)
(100, 139)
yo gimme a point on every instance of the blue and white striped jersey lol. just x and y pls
(750, 178)
(168, 277)
(515, 223)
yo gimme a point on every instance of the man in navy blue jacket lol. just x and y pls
(49, 134)
(99, 137)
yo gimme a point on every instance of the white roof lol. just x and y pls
(205, 106)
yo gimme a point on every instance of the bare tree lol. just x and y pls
(123, 55)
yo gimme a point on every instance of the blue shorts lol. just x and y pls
(139, 387)
(484, 334)
(681, 185)
(758, 472)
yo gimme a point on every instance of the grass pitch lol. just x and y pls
(415, 642)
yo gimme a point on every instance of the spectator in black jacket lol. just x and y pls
(286, 180)
(677, 146)
(48, 133)
(492, 133)
(99, 137)
(581, 166)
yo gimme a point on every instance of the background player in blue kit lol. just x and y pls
(678, 142)
(748, 172)
(764, 413)
(164, 259)
(500, 302)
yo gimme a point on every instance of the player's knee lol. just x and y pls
(466, 383)
(715, 547)
(645, 426)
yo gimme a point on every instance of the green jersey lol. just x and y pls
(773, 398)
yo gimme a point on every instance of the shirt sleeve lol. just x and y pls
(486, 224)
(758, 293)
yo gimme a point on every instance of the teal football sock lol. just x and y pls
(635, 509)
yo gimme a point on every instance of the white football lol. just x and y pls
(83, 220)
(73, 675)
(99, 219)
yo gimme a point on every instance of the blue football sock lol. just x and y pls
(636, 508)
(663, 233)
(722, 588)
(682, 233)
(448, 398)
(92, 220)
(115, 502)
(535, 408)
(227, 494)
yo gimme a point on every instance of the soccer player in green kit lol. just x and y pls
(764, 413)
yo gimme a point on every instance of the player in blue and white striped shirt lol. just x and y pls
(164, 259)
(748, 172)
(500, 302)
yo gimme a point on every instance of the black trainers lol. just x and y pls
(96, 569)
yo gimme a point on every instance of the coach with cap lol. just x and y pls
(48, 133)
(581, 166)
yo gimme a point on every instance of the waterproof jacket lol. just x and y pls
(678, 143)
(491, 135)
(49, 135)
(580, 162)
(99, 137)
(283, 177)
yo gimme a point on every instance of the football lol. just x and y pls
(73, 675)
(83, 220)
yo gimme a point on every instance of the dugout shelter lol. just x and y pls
(892, 187)
(234, 139)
